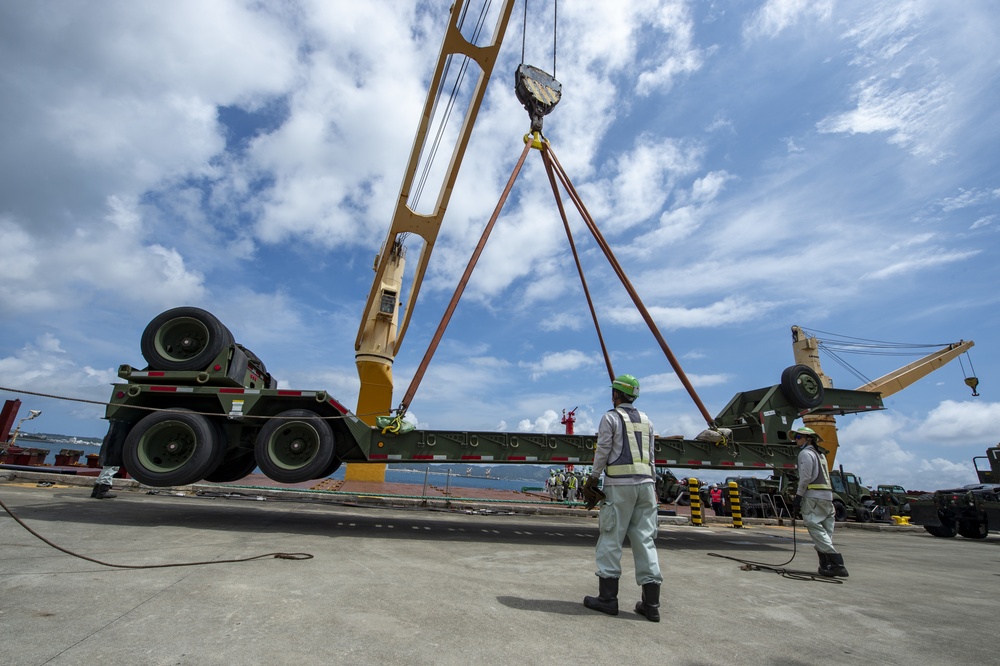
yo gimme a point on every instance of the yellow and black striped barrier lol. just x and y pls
(734, 504)
(695, 496)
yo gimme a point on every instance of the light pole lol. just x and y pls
(32, 413)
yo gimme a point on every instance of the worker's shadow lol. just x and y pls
(560, 606)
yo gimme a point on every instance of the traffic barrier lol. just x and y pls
(695, 496)
(734, 504)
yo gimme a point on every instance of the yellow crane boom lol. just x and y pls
(897, 380)
(380, 334)
(806, 351)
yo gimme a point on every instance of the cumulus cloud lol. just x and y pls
(563, 361)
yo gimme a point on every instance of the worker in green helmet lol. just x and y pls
(814, 500)
(624, 456)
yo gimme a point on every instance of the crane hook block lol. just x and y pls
(973, 383)
(538, 92)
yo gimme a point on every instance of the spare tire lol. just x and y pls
(184, 338)
(802, 387)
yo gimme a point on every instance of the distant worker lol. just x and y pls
(550, 485)
(814, 498)
(102, 487)
(571, 484)
(715, 495)
(625, 456)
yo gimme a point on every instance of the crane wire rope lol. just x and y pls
(835, 344)
(452, 98)
(555, 31)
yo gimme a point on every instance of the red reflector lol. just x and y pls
(120, 394)
(166, 389)
(217, 367)
(230, 390)
(727, 463)
(289, 392)
(153, 373)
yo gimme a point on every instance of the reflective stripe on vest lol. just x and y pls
(822, 475)
(627, 464)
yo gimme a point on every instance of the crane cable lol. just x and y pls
(555, 29)
(452, 98)
(835, 344)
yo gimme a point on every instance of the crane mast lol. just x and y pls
(381, 332)
(806, 351)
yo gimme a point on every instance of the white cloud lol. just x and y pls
(564, 361)
(776, 16)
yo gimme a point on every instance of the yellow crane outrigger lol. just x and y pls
(806, 351)
(381, 334)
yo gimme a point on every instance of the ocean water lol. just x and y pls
(440, 479)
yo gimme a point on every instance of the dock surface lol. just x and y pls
(412, 584)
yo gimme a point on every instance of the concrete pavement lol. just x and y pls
(409, 585)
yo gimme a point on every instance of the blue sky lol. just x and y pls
(754, 165)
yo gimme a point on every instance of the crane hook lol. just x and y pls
(973, 383)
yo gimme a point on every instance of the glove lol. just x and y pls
(796, 505)
(592, 494)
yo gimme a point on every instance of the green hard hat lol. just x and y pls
(806, 431)
(627, 384)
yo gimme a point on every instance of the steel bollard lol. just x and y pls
(734, 504)
(695, 497)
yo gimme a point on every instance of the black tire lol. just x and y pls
(942, 531)
(333, 467)
(862, 515)
(254, 358)
(295, 446)
(172, 449)
(974, 529)
(839, 512)
(234, 469)
(184, 338)
(802, 386)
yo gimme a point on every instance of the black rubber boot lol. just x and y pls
(835, 565)
(649, 607)
(101, 492)
(824, 564)
(607, 599)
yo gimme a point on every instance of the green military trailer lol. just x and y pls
(206, 408)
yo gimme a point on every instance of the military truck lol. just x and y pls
(759, 497)
(206, 407)
(971, 511)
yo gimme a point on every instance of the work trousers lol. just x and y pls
(629, 511)
(818, 516)
(107, 474)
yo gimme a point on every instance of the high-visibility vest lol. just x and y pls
(822, 479)
(716, 495)
(634, 459)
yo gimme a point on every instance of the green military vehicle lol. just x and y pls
(971, 511)
(205, 407)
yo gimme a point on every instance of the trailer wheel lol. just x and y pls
(802, 386)
(233, 469)
(974, 529)
(862, 515)
(184, 338)
(839, 511)
(943, 531)
(295, 446)
(172, 449)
